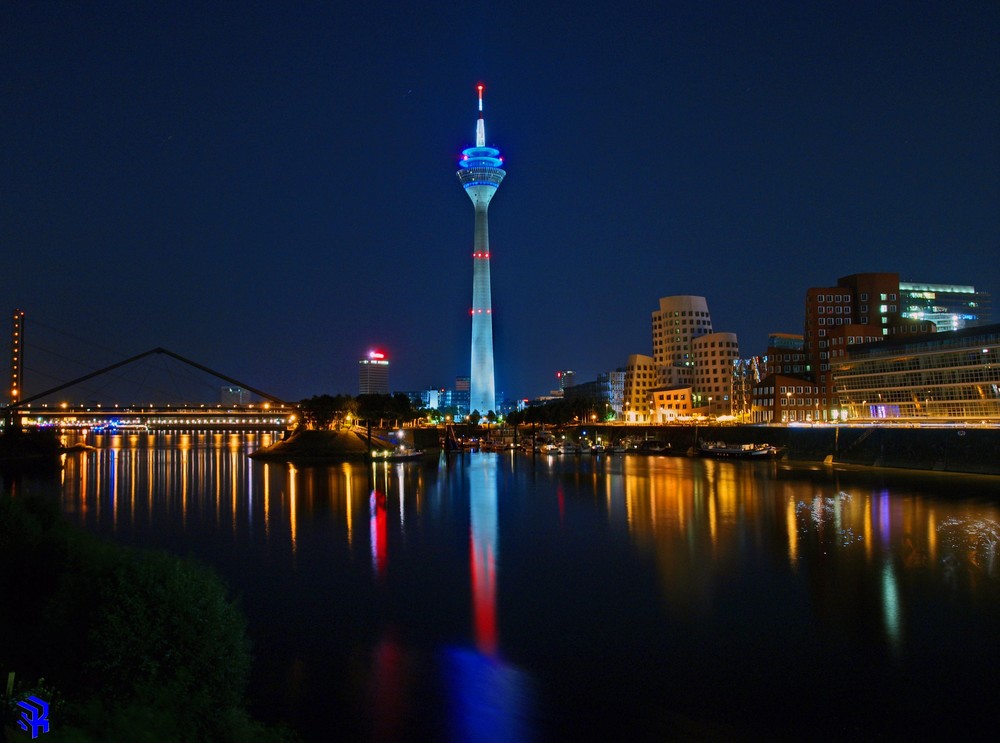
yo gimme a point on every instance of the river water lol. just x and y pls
(511, 597)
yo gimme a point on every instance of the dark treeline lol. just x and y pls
(329, 411)
(562, 412)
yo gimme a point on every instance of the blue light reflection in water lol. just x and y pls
(560, 598)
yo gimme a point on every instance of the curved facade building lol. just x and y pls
(480, 175)
(715, 356)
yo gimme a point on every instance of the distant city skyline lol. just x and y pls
(267, 191)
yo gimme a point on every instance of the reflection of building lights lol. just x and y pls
(890, 604)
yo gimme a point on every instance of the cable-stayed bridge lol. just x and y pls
(150, 398)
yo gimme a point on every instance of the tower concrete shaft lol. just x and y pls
(480, 175)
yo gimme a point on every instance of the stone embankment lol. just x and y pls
(971, 449)
(319, 447)
(968, 449)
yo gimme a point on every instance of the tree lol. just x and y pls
(474, 417)
(322, 411)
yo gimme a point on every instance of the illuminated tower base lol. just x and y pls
(480, 175)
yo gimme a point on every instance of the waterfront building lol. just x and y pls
(861, 308)
(948, 376)
(785, 398)
(785, 354)
(480, 174)
(678, 321)
(640, 380)
(687, 352)
(715, 356)
(373, 374)
(948, 306)
(746, 374)
(671, 404)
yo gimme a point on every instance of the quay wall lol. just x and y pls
(973, 450)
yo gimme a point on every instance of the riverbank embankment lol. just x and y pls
(966, 449)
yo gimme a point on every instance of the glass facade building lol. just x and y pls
(948, 306)
(950, 376)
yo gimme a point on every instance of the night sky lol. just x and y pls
(269, 188)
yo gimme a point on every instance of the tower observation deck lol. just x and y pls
(480, 174)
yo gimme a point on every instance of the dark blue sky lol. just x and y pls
(269, 188)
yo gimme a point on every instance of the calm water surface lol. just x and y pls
(505, 597)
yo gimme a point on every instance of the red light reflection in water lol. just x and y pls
(484, 595)
(379, 533)
(390, 692)
(482, 555)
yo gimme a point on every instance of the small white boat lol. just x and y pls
(400, 454)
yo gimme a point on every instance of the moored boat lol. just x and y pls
(722, 450)
(400, 454)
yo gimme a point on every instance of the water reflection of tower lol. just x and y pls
(483, 551)
(480, 174)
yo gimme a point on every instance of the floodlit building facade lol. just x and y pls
(671, 404)
(640, 379)
(678, 321)
(687, 352)
(949, 376)
(715, 356)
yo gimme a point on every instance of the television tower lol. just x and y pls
(480, 174)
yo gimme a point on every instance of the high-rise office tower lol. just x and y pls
(373, 374)
(480, 174)
(566, 379)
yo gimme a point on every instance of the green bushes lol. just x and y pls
(140, 645)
